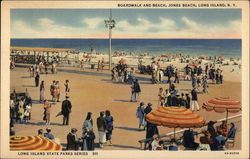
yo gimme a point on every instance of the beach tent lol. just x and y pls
(175, 117)
(223, 104)
(36, 143)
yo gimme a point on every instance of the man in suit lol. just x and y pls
(66, 110)
(72, 140)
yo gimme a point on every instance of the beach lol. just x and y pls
(93, 91)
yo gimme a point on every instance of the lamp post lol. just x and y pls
(110, 23)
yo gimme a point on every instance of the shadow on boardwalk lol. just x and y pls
(39, 123)
(129, 129)
(125, 146)
(122, 100)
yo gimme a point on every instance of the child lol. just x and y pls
(67, 89)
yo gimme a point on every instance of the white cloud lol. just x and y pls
(19, 29)
(190, 23)
(235, 25)
(145, 25)
(48, 28)
(144, 28)
(93, 23)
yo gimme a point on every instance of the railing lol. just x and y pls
(145, 141)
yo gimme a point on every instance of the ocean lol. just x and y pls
(193, 47)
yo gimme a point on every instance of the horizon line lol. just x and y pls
(143, 38)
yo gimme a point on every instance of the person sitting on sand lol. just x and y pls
(48, 134)
(40, 132)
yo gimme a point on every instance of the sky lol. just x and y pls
(130, 23)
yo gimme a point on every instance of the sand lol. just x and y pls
(91, 92)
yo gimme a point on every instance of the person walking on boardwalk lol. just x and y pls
(47, 107)
(205, 84)
(176, 76)
(102, 127)
(98, 65)
(42, 90)
(31, 71)
(52, 88)
(88, 123)
(187, 101)
(82, 64)
(66, 110)
(88, 138)
(141, 115)
(109, 122)
(148, 109)
(136, 89)
(57, 91)
(194, 100)
(67, 89)
(37, 78)
(72, 140)
(194, 81)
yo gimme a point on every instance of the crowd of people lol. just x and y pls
(86, 142)
(20, 108)
(121, 73)
(212, 139)
(42, 68)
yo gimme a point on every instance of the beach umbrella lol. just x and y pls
(175, 117)
(122, 61)
(222, 104)
(37, 143)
